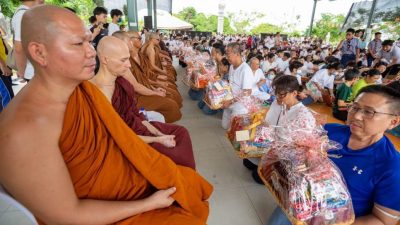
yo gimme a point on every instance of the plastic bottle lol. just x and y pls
(143, 111)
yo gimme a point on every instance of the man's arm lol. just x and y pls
(151, 53)
(139, 88)
(34, 172)
(380, 216)
(20, 58)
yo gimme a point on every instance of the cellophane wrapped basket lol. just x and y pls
(216, 93)
(259, 133)
(305, 183)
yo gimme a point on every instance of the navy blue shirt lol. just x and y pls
(372, 174)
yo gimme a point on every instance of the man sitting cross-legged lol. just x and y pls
(79, 162)
(170, 139)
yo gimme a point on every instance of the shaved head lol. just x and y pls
(111, 46)
(121, 35)
(133, 33)
(43, 24)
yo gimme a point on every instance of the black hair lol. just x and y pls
(351, 63)
(99, 10)
(392, 95)
(350, 74)
(115, 12)
(373, 72)
(271, 70)
(225, 62)
(335, 66)
(286, 83)
(351, 30)
(271, 55)
(331, 59)
(380, 63)
(219, 48)
(387, 42)
(295, 65)
(287, 54)
(279, 51)
(92, 19)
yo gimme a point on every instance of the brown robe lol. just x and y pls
(124, 102)
(106, 160)
(141, 72)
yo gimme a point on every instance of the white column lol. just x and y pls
(221, 14)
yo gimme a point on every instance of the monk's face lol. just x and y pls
(136, 40)
(71, 54)
(118, 64)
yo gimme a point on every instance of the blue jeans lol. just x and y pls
(206, 110)
(278, 217)
(346, 58)
(307, 101)
(196, 95)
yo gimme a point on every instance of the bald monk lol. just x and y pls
(173, 141)
(150, 56)
(79, 163)
(151, 98)
(143, 73)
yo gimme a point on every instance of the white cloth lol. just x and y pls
(266, 66)
(283, 65)
(155, 116)
(298, 116)
(395, 53)
(323, 79)
(16, 27)
(240, 78)
(255, 90)
(112, 28)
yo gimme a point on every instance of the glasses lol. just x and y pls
(368, 113)
(282, 95)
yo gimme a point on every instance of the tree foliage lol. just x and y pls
(242, 21)
(266, 28)
(328, 23)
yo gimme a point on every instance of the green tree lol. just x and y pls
(187, 14)
(242, 21)
(266, 28)
(328, 23)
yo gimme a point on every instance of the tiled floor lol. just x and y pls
(237, 199)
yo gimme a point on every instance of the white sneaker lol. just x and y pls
(18, 80)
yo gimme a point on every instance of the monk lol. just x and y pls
(79, 163)
(163, 101)
(173, 141)
(143, 73)
(150, 56)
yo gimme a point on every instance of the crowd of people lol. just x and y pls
(90, 139)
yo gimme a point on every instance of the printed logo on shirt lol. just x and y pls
(357, 170)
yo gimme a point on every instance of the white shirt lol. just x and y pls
(297, 116)
(16, 27)
(257, 76)
(395, 53)
(323, 78)
(266, 65)
(240, 78)
(283, 65)
(112, 28)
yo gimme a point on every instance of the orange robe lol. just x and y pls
(108, 161)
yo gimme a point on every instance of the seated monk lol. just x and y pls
(150, 56)
(142, 72)
(174, 140)
(162, 101)
(79, 162)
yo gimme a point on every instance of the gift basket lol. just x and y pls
(305, 183)
(216, 93)
(248, 133)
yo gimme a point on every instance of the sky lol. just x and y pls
(276, 11)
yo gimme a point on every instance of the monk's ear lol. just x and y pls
(103, 60)
(38, 53)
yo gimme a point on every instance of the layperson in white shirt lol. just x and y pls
(286, 110)
(392, 51)
(284, 64)
(258, 80)
(116, 16)
(325, 78)
(269, 63)
(240, 79)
